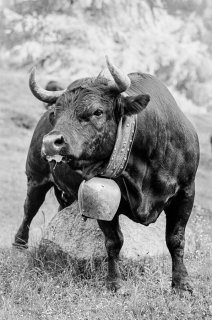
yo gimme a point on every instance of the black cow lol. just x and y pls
(81, 129)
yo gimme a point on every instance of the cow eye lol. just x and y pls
(98, 113)
(52, 116)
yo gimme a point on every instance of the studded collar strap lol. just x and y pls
(121, 152)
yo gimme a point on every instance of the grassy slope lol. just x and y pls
(29, 289)
(204, 176)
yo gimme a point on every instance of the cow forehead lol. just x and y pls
(84, 92)
(79, 97)
(89, 82)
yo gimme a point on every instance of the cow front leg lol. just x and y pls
(113, 242)
(36, 191)
(177, 215)
(58, 194)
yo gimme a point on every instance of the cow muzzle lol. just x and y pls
(54, 147)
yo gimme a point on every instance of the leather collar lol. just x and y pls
(121, 151)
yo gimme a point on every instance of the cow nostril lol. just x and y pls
(59, 141)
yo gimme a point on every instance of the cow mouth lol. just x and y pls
(86, 168)
(75, 164)
(57, 158)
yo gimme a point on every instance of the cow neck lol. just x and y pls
(121, 151)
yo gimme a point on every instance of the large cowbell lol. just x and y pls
(99, 198)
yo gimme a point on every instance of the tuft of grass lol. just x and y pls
(39, 284)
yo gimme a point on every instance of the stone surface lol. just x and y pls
(83, 239)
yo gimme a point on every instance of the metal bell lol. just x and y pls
(99, 198)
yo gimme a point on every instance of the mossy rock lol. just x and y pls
(68, 232)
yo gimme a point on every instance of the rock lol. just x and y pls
(69, 233)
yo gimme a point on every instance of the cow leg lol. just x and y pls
(177, 215)
(62, 199)
(113, 242)
(36, 191)
(58, 194)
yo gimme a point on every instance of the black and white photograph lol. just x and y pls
(105, 159)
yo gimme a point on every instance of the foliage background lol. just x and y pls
(171, 39)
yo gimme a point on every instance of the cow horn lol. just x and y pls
(40, 93)
(122, 81)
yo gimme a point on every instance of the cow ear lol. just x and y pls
(134, 104)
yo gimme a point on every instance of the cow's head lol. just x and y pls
(86, 115)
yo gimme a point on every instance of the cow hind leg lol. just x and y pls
(177, 215)
(36, 191)
(113, 243)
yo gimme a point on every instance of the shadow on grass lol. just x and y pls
(50, 258)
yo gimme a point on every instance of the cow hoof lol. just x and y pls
(118, 287)
(114, 285)
(123, 291)
(20, 246)
(182, 287)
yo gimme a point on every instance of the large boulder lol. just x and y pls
(69, 233)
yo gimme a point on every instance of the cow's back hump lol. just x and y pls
(165, 138)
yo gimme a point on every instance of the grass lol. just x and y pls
(34, 286)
